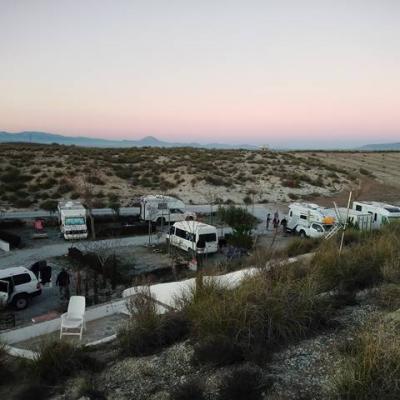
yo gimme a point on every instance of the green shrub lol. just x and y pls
(301, 246)
(58, 360)
(190, 390)
(370, 370)
(388, 296)
(49, 205)
(148, 332)
(217, 351)
(244, 383)
(271, 308)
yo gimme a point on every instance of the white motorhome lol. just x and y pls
(17, 286)
(381, 213)
(194, 237)
(163, 209)
(310, 220)
(356, 219)
(72, 219)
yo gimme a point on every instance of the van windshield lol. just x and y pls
(74, 221)
(208, 237)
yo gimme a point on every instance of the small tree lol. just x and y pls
(115, 204)
(87, 193)
(241, 222)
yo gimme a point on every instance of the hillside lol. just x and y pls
(381, 147)
(33, 174)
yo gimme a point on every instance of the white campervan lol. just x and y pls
(310, 220)
(163, 209)
(194, 237)
(357, 219)
(72, 219)
(381, 213)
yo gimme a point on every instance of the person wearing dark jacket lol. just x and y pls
(63, 282)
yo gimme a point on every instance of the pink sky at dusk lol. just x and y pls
(283, 73)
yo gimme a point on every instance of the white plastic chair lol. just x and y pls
(74, 318)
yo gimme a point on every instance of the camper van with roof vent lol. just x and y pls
(381, 213)
(72, 219)
(310, 220)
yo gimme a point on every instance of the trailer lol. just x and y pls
(162, 209)
(355, 219)
(310, 220)
(72, 217)
(381, 213)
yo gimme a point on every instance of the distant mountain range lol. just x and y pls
(381, 146)
(148, 141)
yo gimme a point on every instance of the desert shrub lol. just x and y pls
(95, 180)
(58, 360)
(243, 383)
(301, 246)
(241, 222)
(365, 172)
(271, 308)
(217, 351)
(23, 202)
(32, 391)
(388, 296)
(190, 390)
(5, 373)
(49, 205)
(371, 369)
(356, 268)
(148, 332)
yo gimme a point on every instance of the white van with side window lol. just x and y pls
(194, 237)
(17, 286)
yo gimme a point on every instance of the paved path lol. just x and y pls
(28, 256)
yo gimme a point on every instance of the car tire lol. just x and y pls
(20, 302)
(302, 234)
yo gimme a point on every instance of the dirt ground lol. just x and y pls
(368, 189)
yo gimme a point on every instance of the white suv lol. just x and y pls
(17, 286)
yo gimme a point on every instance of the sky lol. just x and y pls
(309, 73)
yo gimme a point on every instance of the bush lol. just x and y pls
(356, 268)
(59, 360)
(190, 390)
(388, 297)
(217, 351)
(5, 373)
(244, 383)
(302, 246)
(371, 369)
(49, 205)
(266, 310)
(148, 332)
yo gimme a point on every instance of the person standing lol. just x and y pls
(284, 225)
(63, 282)
(268, 220)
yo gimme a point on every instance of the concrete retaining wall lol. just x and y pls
(5, 246)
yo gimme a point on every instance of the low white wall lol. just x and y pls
(43, 328)
(5, 246)
(167, 293)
